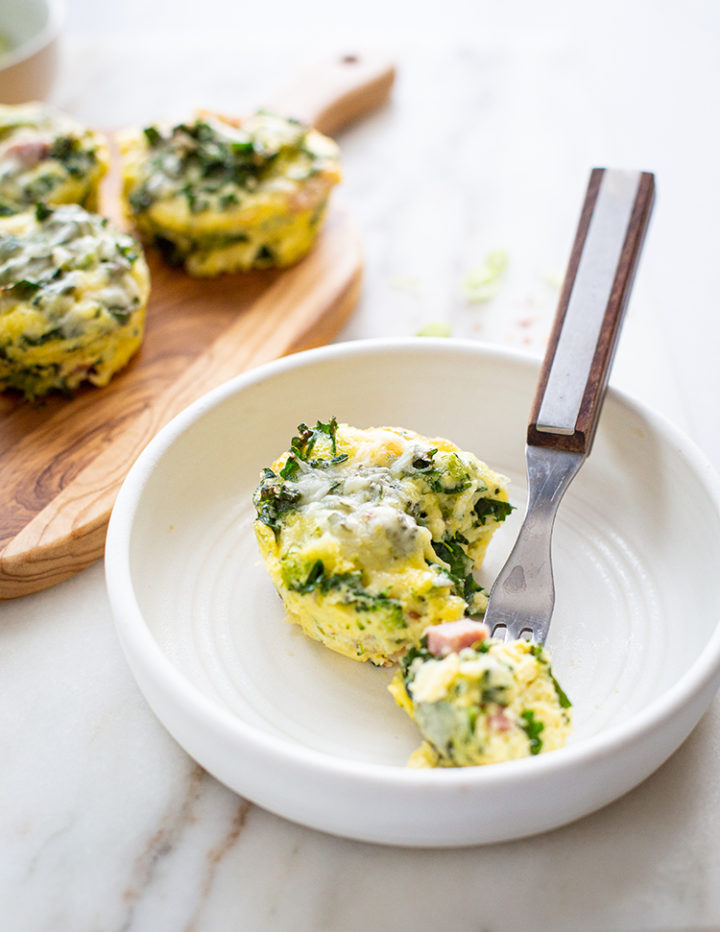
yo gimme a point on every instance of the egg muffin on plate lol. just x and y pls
(73, 293)
(219, 195)
(48, 157)
(369, 536)
(480, 701)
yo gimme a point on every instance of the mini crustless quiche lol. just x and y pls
(225, 196)
(371, 535)
(480, 701)
(73, 291)
(46, 157)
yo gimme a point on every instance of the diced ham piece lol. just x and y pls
(453, 636)
(499, 721)
(28, 153)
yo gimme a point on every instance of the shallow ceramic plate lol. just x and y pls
(316, 737)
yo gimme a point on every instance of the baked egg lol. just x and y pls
(47, 157)
(480, 701)
(370, 535)
(73, 292)
(220, 195)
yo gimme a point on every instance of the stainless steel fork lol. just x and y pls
(571, 389)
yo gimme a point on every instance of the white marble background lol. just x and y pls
(499, 112)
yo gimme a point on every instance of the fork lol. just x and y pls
(571, 389)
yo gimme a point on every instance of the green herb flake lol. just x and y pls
(129, 252)
(436, 328)
(483, 283)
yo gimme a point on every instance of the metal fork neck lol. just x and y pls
(522, 599)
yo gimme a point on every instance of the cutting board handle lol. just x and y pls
(591, 309)
(337, 92)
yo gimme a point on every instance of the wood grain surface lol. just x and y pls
(63, 460)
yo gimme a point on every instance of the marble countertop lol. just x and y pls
(497, 116)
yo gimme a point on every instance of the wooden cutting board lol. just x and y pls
(63, 460)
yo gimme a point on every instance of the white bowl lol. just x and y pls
(315, 737)
(33, 28)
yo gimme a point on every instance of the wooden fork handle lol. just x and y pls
(592, 304)
(337, 92)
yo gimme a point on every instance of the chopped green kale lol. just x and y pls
(265, 254)
(121, 314)
(450, 477)
(54, 334)
(216, 157)
(302, 446)
(23, 289)
(273, 498)
(490, 693)
(425, 462)
(418, 651)
(291, 468)
(152, 135)
(352, 589)
(140, 199)
(42, 212)
(539, 653)
(75, 158)
(492, 508)
(451, 551)
(170, 251)
(561, 694)
(532, 728)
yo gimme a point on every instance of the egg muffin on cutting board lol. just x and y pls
(73, 292)
(220, 195)
(480, 701)
(369, 536)
(48, 157)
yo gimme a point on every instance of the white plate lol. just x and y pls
(316, 737)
